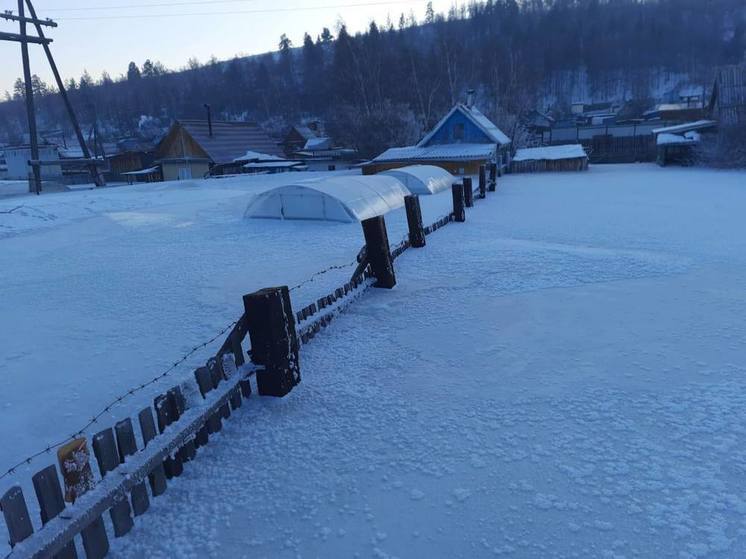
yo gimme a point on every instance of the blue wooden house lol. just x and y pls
(463, 140)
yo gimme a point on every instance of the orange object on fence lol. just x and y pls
(75, 465)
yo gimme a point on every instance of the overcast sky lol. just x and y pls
(99, 35)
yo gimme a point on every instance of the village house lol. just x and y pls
(728, 101)
(462, 141)
(298, 135)
(17, 158)
(197, 148)
(320, 154)
(131, 159)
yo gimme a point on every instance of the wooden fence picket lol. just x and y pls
(16, 515)
(128, 447)
(107, 456)
(51, 503)
(157, 477)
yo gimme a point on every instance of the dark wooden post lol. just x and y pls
(483, 181)
(414, 219)
(274, 342)
(493, 176)
(468, 192)
(378, 252)
(459, 213)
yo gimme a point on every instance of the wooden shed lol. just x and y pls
(570, 157)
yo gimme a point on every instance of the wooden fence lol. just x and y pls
(183, 419)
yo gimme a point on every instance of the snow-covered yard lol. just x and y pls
(104, 289)
(563, 375)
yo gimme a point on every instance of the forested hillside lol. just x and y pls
(385, 86)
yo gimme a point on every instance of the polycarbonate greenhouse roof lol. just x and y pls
(422, 179)
(348, 198)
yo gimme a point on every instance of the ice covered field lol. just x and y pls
(561, 376)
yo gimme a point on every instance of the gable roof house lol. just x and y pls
(463, 140)
(196, 148)
(299, 135)
(728, 100)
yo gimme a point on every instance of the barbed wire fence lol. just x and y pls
(164, 374)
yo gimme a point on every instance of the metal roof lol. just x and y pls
(444, 152)
(686, 127)
(230, 140)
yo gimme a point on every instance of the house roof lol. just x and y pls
(305, 131)
(686, 127)
(666, 139)
(317, 144)
(550, 153)
(230, 139)
(476, 117)
(445, 152)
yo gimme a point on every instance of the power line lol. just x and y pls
(150, 5)
(238, 12)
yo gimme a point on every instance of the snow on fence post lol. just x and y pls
(414, 220)
(468, 193)
(378, 252)
(483, 181)
(274, 341)
(459, 213)
(493, 177)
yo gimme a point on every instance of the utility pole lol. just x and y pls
(30, 109)
(25, 39)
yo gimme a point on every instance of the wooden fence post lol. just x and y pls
(378, 252)
(274, 342)
(493, 177)
(468, 193)
(459, 213)
(483, 181)
(414, 219)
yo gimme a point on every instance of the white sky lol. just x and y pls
(125, 30)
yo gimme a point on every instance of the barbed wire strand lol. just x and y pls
(94, 419)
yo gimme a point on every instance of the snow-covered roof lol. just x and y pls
(147, 171)
(551, 153)
(479, 120)
(666, 139)
(686, 127)
(315, 144)
(444, 152)
(257, 156)
(70, 153)
(422, 179)
(345, 199)
(272, 164)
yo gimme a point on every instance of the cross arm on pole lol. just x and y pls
(8, 15)
(15, 37)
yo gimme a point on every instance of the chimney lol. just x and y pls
(209, 119)
(470, 94)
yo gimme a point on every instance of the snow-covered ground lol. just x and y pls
(13, 188)
(563, 375)
(104, 289)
